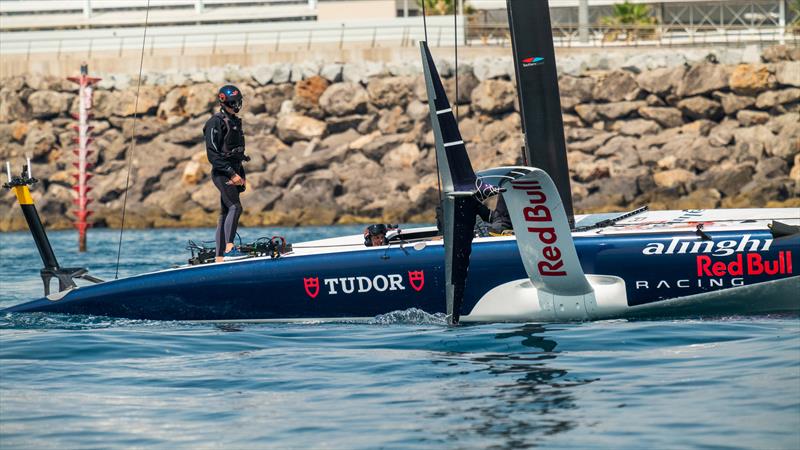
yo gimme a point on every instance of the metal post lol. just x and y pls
(87, 9)
(312, 4)
(583, 21)
(82, 153)
(405, 8)
(198, 6)
(782, 21)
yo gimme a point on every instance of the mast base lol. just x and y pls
(66, 277)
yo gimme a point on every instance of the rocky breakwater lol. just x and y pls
(344, 144)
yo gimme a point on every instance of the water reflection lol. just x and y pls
(515, 398)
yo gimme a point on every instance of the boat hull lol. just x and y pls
(656, 267)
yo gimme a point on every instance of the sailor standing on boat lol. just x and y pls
(225, 149)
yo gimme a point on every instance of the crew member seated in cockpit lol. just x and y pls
(375, 235)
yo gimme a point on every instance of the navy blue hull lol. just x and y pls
(375, 281)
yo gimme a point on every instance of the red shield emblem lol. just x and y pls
(416, 278)
(312, 286)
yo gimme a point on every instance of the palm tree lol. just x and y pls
(794, 27)
(442, 7)
(629, 15)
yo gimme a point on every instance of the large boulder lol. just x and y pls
(124, 103)
(173, 104)
(494, 97)
(754, 141)
(748, 118)
(731, 103)
(673, 177)
(727, 178)
(294, 127)
(40, 140)
(788, 73)
(200, 99)
(615, 86)
(390, 91)
(332, 72)
(661, 81)
(703, 78)
(11, 106)
(636, 127)
(579, 88)
(776, 53)
(274, 95)
(308, 91)
(207, 196)
(394, 121)
(174, 202)
(467, 82)
(771, 99)
(379, 146)
(700, 108)
(47, 104)
(667, 117)
(401, 157)
(342, 99)
(750, 79)
(492, 68)
(722, 134)
(608, 111)
(262, 74)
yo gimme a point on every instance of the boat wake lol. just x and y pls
(411, 316)
(37, 321)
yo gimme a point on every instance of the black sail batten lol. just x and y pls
(537, 88)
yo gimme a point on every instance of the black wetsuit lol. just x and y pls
(225, 149)
(500, 220)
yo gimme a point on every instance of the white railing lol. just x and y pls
(24, 7)
(213, 39)
(391, 33)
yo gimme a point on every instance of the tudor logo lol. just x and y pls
(416, 278)
(361, 284)
(312, 286)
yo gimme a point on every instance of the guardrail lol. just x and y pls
(568, 35)
(297, 36)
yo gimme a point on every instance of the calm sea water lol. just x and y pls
(403, 381)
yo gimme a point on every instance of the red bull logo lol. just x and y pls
(745, 264)
(540, 219)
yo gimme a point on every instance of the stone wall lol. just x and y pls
(352, 143)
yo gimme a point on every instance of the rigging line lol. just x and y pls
(436, 156)
(455, 48)
(133, 138)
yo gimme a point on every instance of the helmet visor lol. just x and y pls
(235, 104)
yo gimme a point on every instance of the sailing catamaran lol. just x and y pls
(557, 267)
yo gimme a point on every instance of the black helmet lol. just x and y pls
(377, 229)
(230, 96)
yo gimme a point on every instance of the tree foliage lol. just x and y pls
(628, 13)
(634, 21)
(442, 7)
